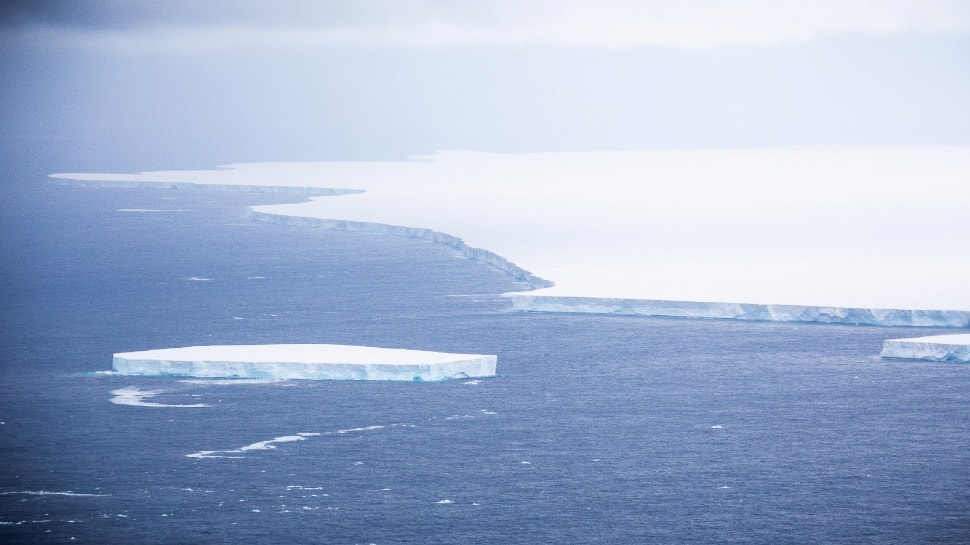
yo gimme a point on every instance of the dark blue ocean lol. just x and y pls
(595, 430)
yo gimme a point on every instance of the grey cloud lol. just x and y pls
(181, 26)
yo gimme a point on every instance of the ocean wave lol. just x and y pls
(136, 398)
(53, 493)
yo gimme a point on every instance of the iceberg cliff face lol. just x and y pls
(740, 311)
(954, 348)
(304, 361)
(475, 254)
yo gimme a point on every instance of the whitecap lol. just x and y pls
(269, 444)
(445, 501)
(136, 398)
(53, 493)
(365, 428)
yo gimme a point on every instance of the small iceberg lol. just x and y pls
(955, 348)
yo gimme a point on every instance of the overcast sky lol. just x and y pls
(186, 83)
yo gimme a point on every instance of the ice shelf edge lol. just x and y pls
(245, 188)
(475, 254)
(524, 302)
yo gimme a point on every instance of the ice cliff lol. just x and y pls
(304, 361)
(784, 234)
(525, 302)
(475, 254)
(147, 180)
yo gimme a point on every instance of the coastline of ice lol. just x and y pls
(525, 302)
(149, 180)
(300, 361)
(952, 348)
(828, 234)
(475, 254)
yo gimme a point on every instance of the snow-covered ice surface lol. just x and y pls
(831, 234)
(935, 348)
(300, 361)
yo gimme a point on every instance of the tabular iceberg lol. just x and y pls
(782, 234)
(524, 302)
(935, 348)
(304, 361)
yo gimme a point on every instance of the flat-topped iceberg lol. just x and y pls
(527, 302)
(304, 361)
(934, 348)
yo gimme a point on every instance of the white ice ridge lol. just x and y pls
(837, 234)
(935, 348)
(304, 361)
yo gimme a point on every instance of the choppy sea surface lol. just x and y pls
(596, 429)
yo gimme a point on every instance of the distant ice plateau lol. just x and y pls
(303, 361)
(955, 348)
(855, 235)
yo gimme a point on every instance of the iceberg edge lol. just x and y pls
(949, 348)
(303, 361)
(475, 254)
(525, 302)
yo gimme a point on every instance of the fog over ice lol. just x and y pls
(187, 84)
(139, 86)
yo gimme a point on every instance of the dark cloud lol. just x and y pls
(208, 104)
(121, 15)
(97, 15)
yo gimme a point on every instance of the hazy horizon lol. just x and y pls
(190, 85)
